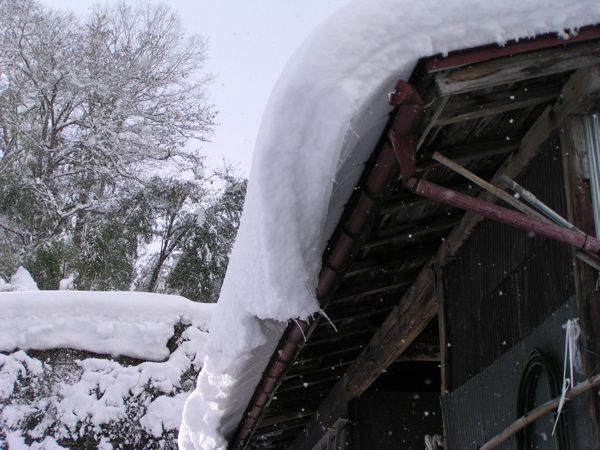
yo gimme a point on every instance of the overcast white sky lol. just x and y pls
(249, 44)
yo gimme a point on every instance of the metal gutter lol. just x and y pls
(406, 118)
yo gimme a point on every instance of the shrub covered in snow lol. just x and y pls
(61, 397)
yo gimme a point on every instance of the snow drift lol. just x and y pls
(53, 394)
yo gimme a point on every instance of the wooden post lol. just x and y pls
(579, 205)
(444, 348)
(443, 332)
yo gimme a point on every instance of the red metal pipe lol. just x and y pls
(504, 215)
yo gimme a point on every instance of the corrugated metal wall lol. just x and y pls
(504, 283)
(486, 404)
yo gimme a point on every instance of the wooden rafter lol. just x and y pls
(521, 67)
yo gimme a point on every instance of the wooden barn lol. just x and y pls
(464, 252)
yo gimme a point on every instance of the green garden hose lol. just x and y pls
(537, 364)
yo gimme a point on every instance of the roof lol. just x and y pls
(326, 115)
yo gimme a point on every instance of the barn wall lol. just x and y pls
(505, 282)
(395, 420)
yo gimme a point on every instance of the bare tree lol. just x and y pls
(90, 110)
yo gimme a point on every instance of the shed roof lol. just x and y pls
(326, 116)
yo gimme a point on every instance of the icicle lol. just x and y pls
(572, 334)
(301, 330)
(324, 314)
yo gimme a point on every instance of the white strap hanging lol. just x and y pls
(572, 333)
(433, 442)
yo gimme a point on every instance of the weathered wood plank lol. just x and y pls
(493, 108)
(410, 236)
(521, 67)
(579, 210)
(419, 305)
(443, 334)
(371, 289)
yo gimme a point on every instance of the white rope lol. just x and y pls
(572, 333)
(433, 442)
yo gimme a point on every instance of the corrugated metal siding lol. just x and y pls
(486, 404)
(504, 282)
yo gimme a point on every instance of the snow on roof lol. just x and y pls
(322, 121)
(134, 324)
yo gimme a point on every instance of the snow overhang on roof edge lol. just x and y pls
(330, 98)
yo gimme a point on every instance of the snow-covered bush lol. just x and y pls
(97, 369)
(84, 401)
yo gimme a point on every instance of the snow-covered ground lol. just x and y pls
(74, 397)
(323, 118)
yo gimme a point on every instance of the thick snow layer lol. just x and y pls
(331, 97)
(135, 324)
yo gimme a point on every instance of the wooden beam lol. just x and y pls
(518, 68)
(431, 119)
(493, 108)
(420, 303)
(332, 336)
(579, 210)
(269, 420)
(387, 263)
(398, 331)
(474, 154)
(495, 191)
(306, 383)
(342, 352)
(415, 233)
(312, 368)
(395, 282)
(443, 334)
(366, 311)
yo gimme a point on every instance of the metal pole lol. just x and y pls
(504, 215)
(530, 198)
(592, 143)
